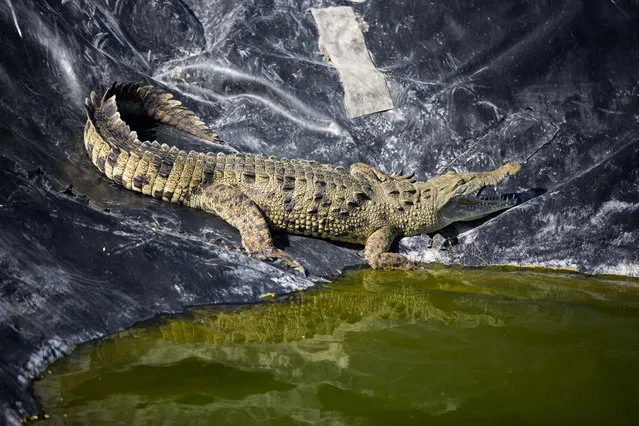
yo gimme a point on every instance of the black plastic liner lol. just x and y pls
(551, 84)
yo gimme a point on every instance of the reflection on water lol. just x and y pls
(373, 348)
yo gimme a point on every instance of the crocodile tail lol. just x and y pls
(155, 169)
(135, 99)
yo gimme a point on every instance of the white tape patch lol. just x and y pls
(341, 39)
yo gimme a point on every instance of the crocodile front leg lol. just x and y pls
(377, 255)
(232, 205)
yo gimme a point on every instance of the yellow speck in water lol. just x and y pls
(103, 249)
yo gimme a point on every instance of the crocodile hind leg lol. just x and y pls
(377, 255)
(232, 205)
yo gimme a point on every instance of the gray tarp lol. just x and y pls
(474, 84)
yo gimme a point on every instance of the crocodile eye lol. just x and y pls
(425, 193)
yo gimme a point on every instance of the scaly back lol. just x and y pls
(295, 195)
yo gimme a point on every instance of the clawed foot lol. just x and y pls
(394, 261)
(277, 255)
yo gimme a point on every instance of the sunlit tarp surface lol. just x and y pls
(474, 84)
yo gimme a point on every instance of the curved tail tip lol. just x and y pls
(91, 102)
(94, 98)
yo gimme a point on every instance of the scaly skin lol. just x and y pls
(255, 194)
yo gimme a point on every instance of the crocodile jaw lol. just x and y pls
(466, 207)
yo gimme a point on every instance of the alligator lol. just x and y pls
(257, 194)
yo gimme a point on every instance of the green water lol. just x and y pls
(374, 348)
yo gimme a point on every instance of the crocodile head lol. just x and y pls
(456, 198)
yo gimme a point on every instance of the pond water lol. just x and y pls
(373, 348)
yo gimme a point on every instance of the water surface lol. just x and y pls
(455, 347)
